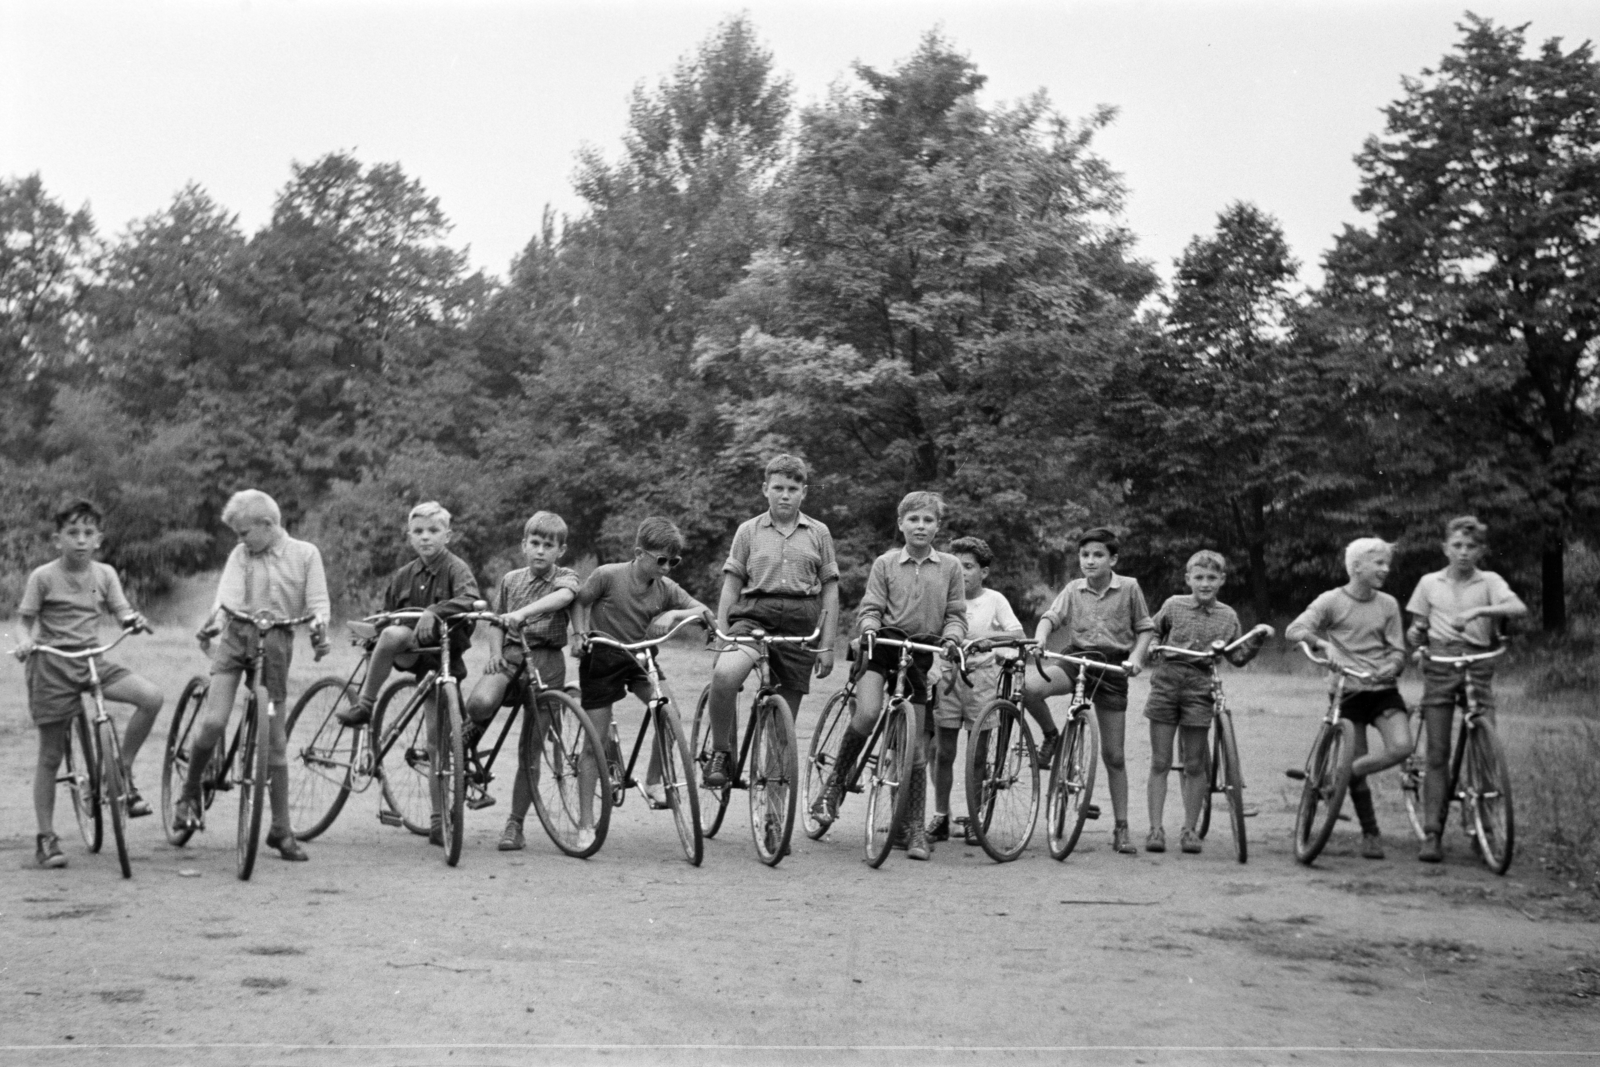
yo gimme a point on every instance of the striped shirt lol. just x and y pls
(1183, 623)
(285, 579)
(519, 588)
(1111, 619)
(927, 596)
(773, 563)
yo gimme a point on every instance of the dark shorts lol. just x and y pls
(781, 616)
(886, 661)
(237, 648)
(606, 675)
(1180, 696)
(56, 686)
(549, 662)
(1108, 692)
(1364, 709)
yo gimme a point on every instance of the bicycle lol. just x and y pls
(769, 753)
(1226, 775)
(671, 752)
(1326, 776)
(1478, 775)
(102, 785)
(240, 762)
(1068, 802)
(1002, 762)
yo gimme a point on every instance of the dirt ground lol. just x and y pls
(376, 952)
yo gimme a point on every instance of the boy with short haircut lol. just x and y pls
(267, 571)
(1454, 612)
(1181, 701)
(1358, 626)
(959, 703)
(533, 601)
(915, 591)
(1105, 615)
(61, 607)
(631, 602)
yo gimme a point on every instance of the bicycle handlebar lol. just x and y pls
(999, 642)
(87, 653)
(1079, 661)
(1461, 661)
(1349, 672)
(760, 636)
(1216, 650)
(265, 620)
(595, 636)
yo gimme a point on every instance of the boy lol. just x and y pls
(989, 615)
(533, 600)
(1358, 626)
(1104, 613)
(61, 607)
(1454, 612)
(631, 602)
(781, 576)
(915, 591)
(1180, 693)
(267, 571)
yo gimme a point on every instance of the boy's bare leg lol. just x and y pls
(485, 699)
(1037, 689)
(1113, 724)
(732, 668)
(52, 750)
(944, 767)
(1196, 773)
(1162, 734)
(392, 644)
(1396, 732)
(1360, 792)
(213, 722)
(589, 767)
(146, 701)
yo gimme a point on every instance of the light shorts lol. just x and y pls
(1180, 696)
(56, 686)
(959, 704)
(236, 649)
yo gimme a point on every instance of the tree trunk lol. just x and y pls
(1258, 581)
(1553, 591)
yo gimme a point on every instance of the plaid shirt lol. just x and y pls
(1183, 623)
(772, 563)
(1110, 619)
(520, 588)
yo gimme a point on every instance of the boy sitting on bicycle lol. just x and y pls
(780, 577)
(914, 590)
(959, 703)
(267, 571)
(1454, 612)
(534, 601)
(1105, 616)
(631, 602)
(1358, 626)
(1180, 700)
(61, 607)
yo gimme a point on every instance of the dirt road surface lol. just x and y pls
(376, 952)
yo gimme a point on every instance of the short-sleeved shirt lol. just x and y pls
(285, 579)
(989, 612)
(1184, 623)
(926, 596)
(1439, 599)
(520, 587)
(1366, 635)
(68, 604)
(622, 605)
(772, 563)
(1110, 619)
(446, 588)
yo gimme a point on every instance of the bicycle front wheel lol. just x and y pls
(1414, 776)
(113, 787)
(450, 762)
(1228, 779)
(889, 785)
(252, 783)
(322, 757)
(1002, 781)
(1071, 783)
(566, 768)
(81, 773)
(1487, 791)
(1327, 778)
(823, 755)
(713, 799)
(677, 779)
(774, 777)
(407, 764)
(175, 760)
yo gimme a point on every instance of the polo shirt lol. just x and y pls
(769, 562)
(68, 604)
(622, 605)
(1110, 619)
(1439, 599)
(927, 596)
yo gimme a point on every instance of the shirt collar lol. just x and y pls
(905, 556)
(1477, 576)
(765, 519)
(1116, 583)
(276, 549)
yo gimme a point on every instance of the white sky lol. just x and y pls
(119, 104)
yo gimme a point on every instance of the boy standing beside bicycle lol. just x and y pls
(61, 607)
(1454, 612)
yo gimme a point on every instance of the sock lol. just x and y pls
(1361, 799)
(278, 790)
(850, 747)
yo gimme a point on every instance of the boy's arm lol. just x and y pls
(117, 601)
(588, 593)
(1055, 615)
(1394, 637)
(1503, 604)
(463, 591)
(1144, 629)
(955, 609)
(1420, 606)
(318, 603)
(830, 628)
(731, 584)
(1308, 627)
(230, 591)
(548, 604)
(30, 636)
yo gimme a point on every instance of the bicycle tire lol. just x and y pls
(677, 781)
(322, 761)
(1327, 779)
(888, 786)
(113, 790)
(1229, 776)
(773, 775)
(175, 760)
(406, 772)
(555, 746)
(822, 755)
(1414, 777)
(713, 799)
(1072, 783)
(83, 784)
(252, 784)
(1489, 792)
(997, 774)
(451, 772)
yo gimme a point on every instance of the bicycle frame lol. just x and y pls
(759, 642)
(643, 653)
(901, 694)
(1472, 720)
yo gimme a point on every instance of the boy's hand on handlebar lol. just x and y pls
(136, 623)
(824, 666)
(511, 620)
(25, 648)
(427, 630)
(319, 640)
(1132, 666)
(206, 634)
(952, 649)
(497, 665)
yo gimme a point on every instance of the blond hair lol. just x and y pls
(429, 509)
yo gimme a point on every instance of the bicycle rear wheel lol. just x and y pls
(889, 784)
(823, 755)
(773, 774)
(713, 799)
(113, 788)
(1414, 775)
(677, 780)
(1488, 791)
(322, 758)
(1002, 781)
(252, 782)
(566, 768)
(407, 767)
(175, 760)
(450, 761)
(1071, 783)
(81, 773)
(1327, 778)
(1227, 778)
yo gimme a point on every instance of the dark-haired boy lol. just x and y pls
(61, 607)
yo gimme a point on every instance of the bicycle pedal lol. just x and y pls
(1296, 773)
(479, 803)
(390, 818)
(1091, 811)
(417, 758)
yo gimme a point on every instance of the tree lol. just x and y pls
(1480, 275)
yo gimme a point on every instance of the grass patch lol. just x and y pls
(1555, 771)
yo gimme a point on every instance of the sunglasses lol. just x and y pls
(668, 562)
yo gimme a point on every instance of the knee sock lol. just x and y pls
(278, 791)
(850, 747)
(917, 801)
(200, 750)
(1361, 800)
